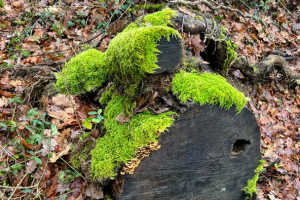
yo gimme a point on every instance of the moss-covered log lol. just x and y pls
(208, 153)
(142, 102)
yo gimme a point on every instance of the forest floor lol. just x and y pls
(39, 128)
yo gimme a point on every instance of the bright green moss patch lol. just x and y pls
(207, 88)
(83, 73)
(132, 54)
(161, 18)
(121, 142)
(251, 187)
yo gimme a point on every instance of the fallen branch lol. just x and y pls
(213, 8)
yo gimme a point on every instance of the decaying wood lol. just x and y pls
(208, 153)
(208, 4)
(263, 68)
(216, 48)
(170, 56)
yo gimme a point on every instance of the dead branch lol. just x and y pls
(213, 8)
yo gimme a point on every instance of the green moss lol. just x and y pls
(161, 18)
(251, 187)
(198, 17)
(121, 142)
(129, 57)
(133, 53)
(81, 155)
(231, 54)
(83, 73)
(230, 48)
(207, 88)
(105, 97)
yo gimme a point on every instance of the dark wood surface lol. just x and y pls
(208, 154)
(170, 54)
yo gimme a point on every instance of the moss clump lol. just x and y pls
(251, 187)
(207, 88)
(82, 73)
(230, 48)
(162, 18)
(132, 54)
(231, 54)
(121, 142)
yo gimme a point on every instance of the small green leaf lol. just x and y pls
(61, 175)
(87, 123)
(92, 113)
(100, 118)
(70, 23)
(96, 120)
(36, 137)
(1, 4)
(36, 159)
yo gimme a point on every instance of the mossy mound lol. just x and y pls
(83, 73)
(121, 142)
(129, 57)
(208, 88)
(132, 54)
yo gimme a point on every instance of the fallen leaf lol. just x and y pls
(30, 166)
(63, 100)
(186, 11)
(55, 156)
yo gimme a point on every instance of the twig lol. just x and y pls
(18, 187)
(73, 168)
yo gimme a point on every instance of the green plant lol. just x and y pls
(67, 176)
(58, 28)
(251, 186)
(87, 123)
(208, 88)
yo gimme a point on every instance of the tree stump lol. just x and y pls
(208, 153)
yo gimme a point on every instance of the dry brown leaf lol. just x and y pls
(186, 11)
(56, 156)
(65, 133)
(63, 100)
(122, 119)
(5, 78)
(4, 101)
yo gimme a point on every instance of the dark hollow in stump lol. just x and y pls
(170, 54)
(208, 154)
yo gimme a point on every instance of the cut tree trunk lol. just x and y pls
(170, 55)
(208, 153)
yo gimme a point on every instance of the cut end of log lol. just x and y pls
(170, 55)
